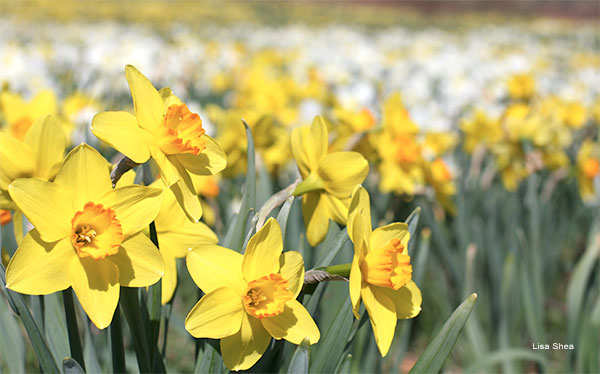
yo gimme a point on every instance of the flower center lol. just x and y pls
(591, 168)
(407, 150)
(388, 267)
(96, 232)
(266, 296)
(182, 131)
(440, 171)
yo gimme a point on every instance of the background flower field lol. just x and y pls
(489, 123)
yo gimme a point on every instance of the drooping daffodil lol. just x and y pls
(381, 273)
(165, 130)
(328, 179)
(87, 235)
(249, 298)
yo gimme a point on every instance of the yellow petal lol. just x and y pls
(169, 280)
(212, 266)
(42, 104)
(16, 160)
(38, 268)
(96, 284)
(210, 161)
(382, 314)
(147, 101)
(139, 261)
(309, 145)
(337, 209)
(217, 315)
(120, 130)
(242, 350)
(168, 98)
(316, 217)
(360, 205)
(263, 251)
(167, 170)
(292, 269)
(185, 193)
(179, 241)
(355, 286)
(47, 140)
(46, 205)
(85, 174)
(13, 106)
(135, 206)
(341, 172)
(294, 324)
(407, 300)
(382, 236)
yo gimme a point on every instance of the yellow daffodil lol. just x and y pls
(588, 169)
(441, 179)
(249, 298)
(381, 273)
(521, 86)
(21, 115)
(207, 187)
(328, 179)
(5, 217)
(87, 235)
(176, 235)
(481, 130)
(39, 155)
(163, 128)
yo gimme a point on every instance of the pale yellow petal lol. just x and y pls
(16, 160)
(341, 172)
(210, 161)
(185, 193)
(42, 104)
(13, 106)
(292, 269)
(360, 205)
(355, 285)
(120, 130)
(147, 101)
(189, 235)
(86, 174)
(96, 284)
(382, 236)
(242, 350)
(212, 266)
(217, 315)
(47, 141)
(169, 280)
(407, 300)
(168, 172)
(48, 206)
(139, 261)
(309, 145)
(263, 251)
(337, 209)
(294, 324)
(382, 314)
(316, 217)
(135, 206)
(38, 268)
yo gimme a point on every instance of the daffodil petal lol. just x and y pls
(168, 98)
(179, 242)
(210, 161)
(185, 193)
(309, 144)
(48, 206)
(135, 206)
(292, 269)
(47, 140)
(382, 314)
(360, 205)
(38, 268)
(43, 103)
(407, 300)
(96, 284)
(355, 286)
(217, 315)
(85, 173)
(120, 130)
(212, 266)
(139, 261)
(147, 101)
(294, 324)
(382, 236)
(169, 280)
(336, 208)
(16, 160)
(316, 217)
(167, 170)
(242, 350)
(342, 171)
(263, 251)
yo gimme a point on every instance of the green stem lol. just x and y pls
(116, 343)
(73, 330)
(154, 308)
(312, 183)
(131, 307)
(342, 269)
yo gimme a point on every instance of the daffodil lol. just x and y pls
(441, 179)
(86, 236)
(38, 155)
(521, 86)
(381, 273)
(176, 235)
(249, 298)
(328, 179)
(588, 170)
(21, 115)
(163, 128)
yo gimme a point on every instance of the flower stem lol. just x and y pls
(73, 330)
(116, 343)
(342, 269)
(154, 308)
(312, 183)
(131, 307)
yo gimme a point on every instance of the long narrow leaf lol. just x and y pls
(329, 350)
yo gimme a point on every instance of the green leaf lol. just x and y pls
(283, 215)
(70, 366)
(12, 347)
(130, 303)
(435, 354)
(487, 362)
(209, 360)
(56, 328)
(413, 221)
(333, 248)
(300, 359)
(329, 350)
(38, 342)
(345, 365)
